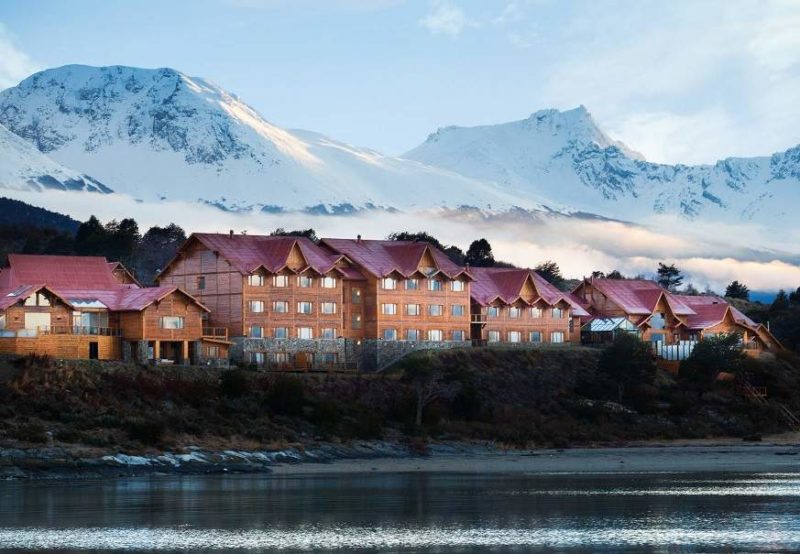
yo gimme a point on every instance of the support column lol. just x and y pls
(185, 356)
(157, 350)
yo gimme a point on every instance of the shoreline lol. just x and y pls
(778, 453)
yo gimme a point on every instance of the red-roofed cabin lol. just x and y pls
(77, 307)
(518, 306)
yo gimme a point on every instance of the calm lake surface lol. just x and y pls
(411, 512)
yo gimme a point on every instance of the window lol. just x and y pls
(257, 306)
(412, 284)
(329, 333)
(514, 336)
(435, 309)
(514, 312)
(493, 311)
(435, 335)
(355, 322)
(458, 336)
(412, 334)
(328, 307)
(457, 310)
(536, 313)
(536, 336)
(305, 307)
(212, 352)
(329, 358)
(388, 283)
(281, 332)
(255, 280)
(658, 321)
(279, 357)
(435, 284)
(256, 332)
(493, 336)
(390, 334)
(281, 281)
(201, 282)
(571, 324)
(2, 321)
(558, 313)
(389, 309)
(557, 337)
(412, 309)
(457, 286)
(172, 322)
(280, 307)
(356, 296)
(329, 282)
(305, 282)
(37, 299)
(305, 333)
(256, 357)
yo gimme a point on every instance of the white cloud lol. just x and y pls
(688, 83)
(15, 64)
(445, 18)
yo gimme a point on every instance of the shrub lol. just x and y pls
(286, 396)
(147, 431)
(711, 356)
(629, 362)
(234, 384)
(31, 431)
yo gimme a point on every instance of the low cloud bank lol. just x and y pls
(711, 255)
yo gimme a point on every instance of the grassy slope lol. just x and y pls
(534, 398)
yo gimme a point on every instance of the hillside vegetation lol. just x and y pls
(546, 397)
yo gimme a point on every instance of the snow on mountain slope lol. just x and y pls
(564, 160)
(161, 134)
(23, 167)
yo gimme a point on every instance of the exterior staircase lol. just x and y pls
(758, 395)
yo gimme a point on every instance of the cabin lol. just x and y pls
(518, 307)
(282, 301)
(672, 322)
(83, 307)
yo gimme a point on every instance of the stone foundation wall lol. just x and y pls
(380, 354)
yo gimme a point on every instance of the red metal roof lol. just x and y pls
(711, 310)
(505, 284)
(638, 296)
(383, 257)
(246, 253)
(74, 272)
(123, 299)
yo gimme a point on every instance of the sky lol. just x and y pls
(680, 82)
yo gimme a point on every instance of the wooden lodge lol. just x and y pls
(519, 307)
(673, 323)
(87, 308)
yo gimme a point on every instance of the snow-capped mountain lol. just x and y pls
(160, 134)
(23, 167)
(564, 160)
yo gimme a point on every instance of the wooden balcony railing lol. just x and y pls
(478, 318)
(60, 330)
(215, 333)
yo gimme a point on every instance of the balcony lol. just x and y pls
(60, 330)
(479, 318)
(219, 333)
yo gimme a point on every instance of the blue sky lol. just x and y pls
(681, 82)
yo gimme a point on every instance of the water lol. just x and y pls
(410, 512)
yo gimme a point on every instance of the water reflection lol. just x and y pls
(408, 512)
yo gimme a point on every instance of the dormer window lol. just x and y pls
(412, 284)
(388, 283)
(305, 282)
(255, 280)
(457, 286)
(435, 285)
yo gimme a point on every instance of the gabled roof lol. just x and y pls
(119, 266)
(712, 310)
(381, 258)
(124, 299)
(247, 253)
(77, 272)
(11, 295)
(638, 296)
(506, 284)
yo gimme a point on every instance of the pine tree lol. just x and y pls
(669, 276)
(551, 273)
(479, 254)
(737, 290)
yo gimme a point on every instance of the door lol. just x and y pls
(36, 320)
(94, 351)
